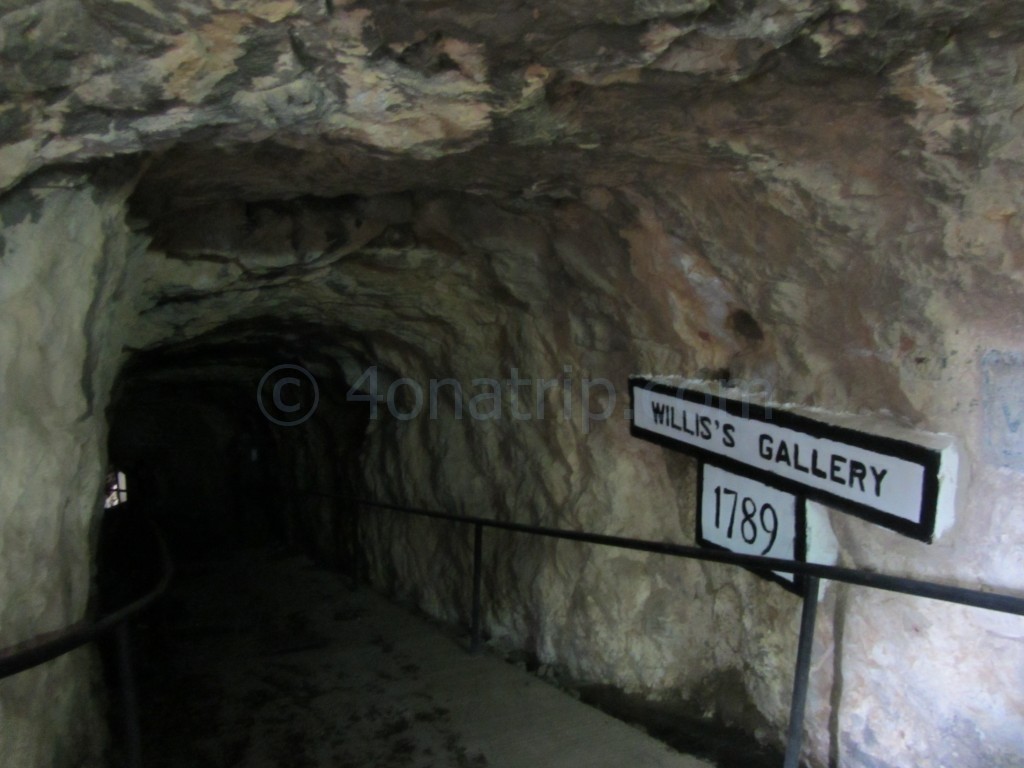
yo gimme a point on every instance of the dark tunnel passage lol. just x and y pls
(230, 483)
(243, 435)
(248, 494)
(210, 466)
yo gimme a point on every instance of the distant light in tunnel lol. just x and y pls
(116, 489)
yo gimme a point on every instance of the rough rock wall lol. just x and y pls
(897, 681)
(558, 292)
(64, 286)
(821, 196)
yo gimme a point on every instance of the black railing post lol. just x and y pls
(129, 696)
(802, 674)
(357, 558)
(478, 554)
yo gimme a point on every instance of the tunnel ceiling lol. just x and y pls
(300, 160)
(295, 160)
(258, 100)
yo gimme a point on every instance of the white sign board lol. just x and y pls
(898, 483)
(750, 518)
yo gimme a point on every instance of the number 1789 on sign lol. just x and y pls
(750, 518)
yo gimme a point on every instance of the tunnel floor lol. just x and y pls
(267, 660)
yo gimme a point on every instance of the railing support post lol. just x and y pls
(478, 554)
(357, 556)
(802, 674)
(129, 696)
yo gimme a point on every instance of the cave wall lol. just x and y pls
(897, 681)
(64, 294)
(463, 288)
(821, 200)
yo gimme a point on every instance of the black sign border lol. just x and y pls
(799, 584)
(930, 459)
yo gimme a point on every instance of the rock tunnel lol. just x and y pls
(413, 251)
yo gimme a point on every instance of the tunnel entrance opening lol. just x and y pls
(214, 458)
(336, 252)
(210, 466)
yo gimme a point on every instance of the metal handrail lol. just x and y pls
(49, 645)
(989, 600)
(993, 601)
